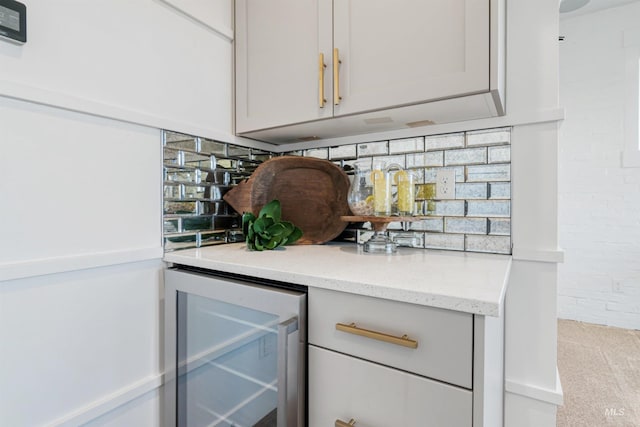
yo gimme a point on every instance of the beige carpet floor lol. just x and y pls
(600, 373)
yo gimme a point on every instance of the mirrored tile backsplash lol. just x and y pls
(478, 219)
(198, 172)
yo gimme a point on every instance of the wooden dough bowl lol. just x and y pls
(312, 193)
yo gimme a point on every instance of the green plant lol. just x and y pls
(267, 231)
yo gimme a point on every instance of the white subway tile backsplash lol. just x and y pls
(489, 137)
(492, 244)
(477, 220)
(469, 156)
(171, 138)
(449, 208)
(212, 238)
(418, 175)
(428, 159)
(178, 175)
(500, 226)
(236, 151)
(440, 142)
(501, 154)
(479, 217)
(194, 192)
(197, 173)
(434, 158)
(173, 191)
(489, 208)
(318, 153)
(260, 156)
(213, 147)
(466, 225)
(500, 190)
(489, 173)
(430, 224)
(343, 152)
(373, 149)
(411, 145)
(475, 190)
(398, 160)
(453, 242)
(430, 174)
(180, 208)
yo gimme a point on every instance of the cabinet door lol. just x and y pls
(278, 43)
(344, 388)
(409, 51)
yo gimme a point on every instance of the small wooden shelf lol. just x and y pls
(380, 223)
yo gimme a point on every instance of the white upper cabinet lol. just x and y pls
(369, 65)
(409, 51)
(278, 45)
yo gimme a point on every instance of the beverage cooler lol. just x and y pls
(235, 351)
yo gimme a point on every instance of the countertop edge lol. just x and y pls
(443, 301)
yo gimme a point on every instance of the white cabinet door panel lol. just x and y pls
(410, 51)
(343, 387)
(278, 43)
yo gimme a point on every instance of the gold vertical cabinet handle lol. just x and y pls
(404, 340)
(336, 77)
(340, 423)
(321, 67)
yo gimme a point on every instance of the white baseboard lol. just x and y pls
(542, 394)
(530, 254)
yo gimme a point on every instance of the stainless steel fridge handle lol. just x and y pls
(284, 330)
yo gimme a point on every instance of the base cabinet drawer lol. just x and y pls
(443, 338)
(344, 388)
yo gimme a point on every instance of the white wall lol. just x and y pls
(599, 199)
(80, 280)
(81, 108)
(73, 185)
(133, 60)
(531, 382)
(71, 340)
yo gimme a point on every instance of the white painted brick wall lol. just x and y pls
(599, 201)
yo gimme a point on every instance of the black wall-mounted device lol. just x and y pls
(13, 21)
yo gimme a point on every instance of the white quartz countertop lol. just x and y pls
(468, 282)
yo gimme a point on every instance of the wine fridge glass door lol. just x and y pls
(227, 364)
(233, 362)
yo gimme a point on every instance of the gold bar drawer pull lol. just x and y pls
(340, 423)
(404, 340)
